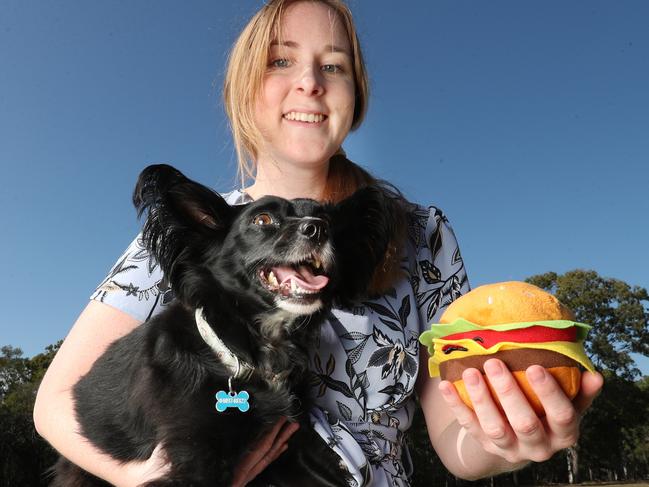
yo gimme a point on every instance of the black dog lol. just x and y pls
(252, 283)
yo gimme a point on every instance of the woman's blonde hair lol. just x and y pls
(244, 79)
(247, 66)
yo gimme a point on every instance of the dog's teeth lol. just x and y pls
(294, 286)
(316, 263)
(284, 290)
(272, 279)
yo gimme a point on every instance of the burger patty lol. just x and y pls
(517, 359)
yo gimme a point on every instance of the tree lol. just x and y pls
(617, 311)
(620, 320)
(24, 456)
(13, 369)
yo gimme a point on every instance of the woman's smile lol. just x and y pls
(304, 117)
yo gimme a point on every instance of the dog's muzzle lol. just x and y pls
(299, 281)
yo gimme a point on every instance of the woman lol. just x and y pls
(296, 85)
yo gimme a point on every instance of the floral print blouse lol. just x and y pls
(365, 364)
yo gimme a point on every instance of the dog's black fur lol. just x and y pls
(158, 383)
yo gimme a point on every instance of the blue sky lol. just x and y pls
(526, 122)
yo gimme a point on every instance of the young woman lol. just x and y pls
(296, 85)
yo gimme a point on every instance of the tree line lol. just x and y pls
(614, 441)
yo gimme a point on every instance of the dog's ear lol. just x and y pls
(367, 228)
(180, 213)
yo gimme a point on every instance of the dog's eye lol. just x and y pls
(263, 219)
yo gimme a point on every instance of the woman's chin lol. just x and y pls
(304, 158)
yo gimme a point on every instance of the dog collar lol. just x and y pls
(237, 367)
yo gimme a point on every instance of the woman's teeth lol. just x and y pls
(305, 117)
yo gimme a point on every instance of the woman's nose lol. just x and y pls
(310, 81)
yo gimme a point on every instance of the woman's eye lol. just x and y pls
(279, 63)
(332, 68)
(262, 219)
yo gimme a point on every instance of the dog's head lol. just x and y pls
(271, 254)
(282, 252)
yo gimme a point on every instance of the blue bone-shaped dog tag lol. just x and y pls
(226, 400)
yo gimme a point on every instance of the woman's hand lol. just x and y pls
(267, 449)
(155, 467)
(520, 435)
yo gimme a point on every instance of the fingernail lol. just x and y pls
(446, 391)
(493, 368)
(536, 374)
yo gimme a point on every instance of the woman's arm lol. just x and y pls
(54, 418)
(484, 443)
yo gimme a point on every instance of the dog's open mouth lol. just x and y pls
(303, 280)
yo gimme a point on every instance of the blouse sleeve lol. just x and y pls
(439, 275)
(135, 284)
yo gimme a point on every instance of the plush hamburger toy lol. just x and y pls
(516, 322)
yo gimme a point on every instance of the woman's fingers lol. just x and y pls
(264, 461)
(286, 432)
(485, 423)
(468, 420)
(265, 451)
(465, 415)
(159, 459)
(519, 434)
(561, 420)
(526, 426)
(560, 415)
(591, 386)
(494, 425)
(156, 466)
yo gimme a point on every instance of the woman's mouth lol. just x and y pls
(305, 117)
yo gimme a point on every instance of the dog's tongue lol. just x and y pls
(302, 276)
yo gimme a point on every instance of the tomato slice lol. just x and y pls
(532, 334)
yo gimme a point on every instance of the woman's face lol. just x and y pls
(306, 106)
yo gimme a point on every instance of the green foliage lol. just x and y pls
(24, 456)
(617, 311)
(615, 431)
(13, 369)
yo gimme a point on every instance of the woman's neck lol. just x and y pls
(297, 182)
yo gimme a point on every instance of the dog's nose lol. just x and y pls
(314, 229)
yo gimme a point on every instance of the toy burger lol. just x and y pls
(516, 322)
